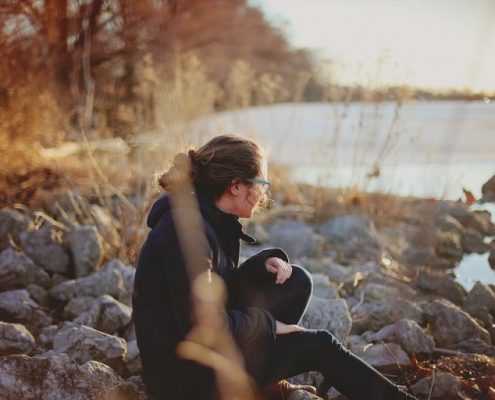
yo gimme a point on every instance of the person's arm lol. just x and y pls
(254, 267)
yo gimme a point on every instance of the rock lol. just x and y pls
(376, 291)
(54, 378)
(106, 315)
(84, 344)
(324, 288)
(133, 360)
(488, 190)
(491, 257)
(132, 389)
(475, 346)
(130, 332)
(317, 265)
(12, 222)
(481, 295)
(414, 256)
(297, 238)
(127, 274)
(77, 306)
(448, 245)
(15, 339)
(356, 237)
(472, 242)
(480, 313)
(446, 386)
(107, 281)
(18, 307)
(442, 285)
(374, 316)
(406, 333)
(46, 252)
(450, 325)
(480, 220)
(302, 395)
(384, 355)
(45, 337)
(332, 315)
(87, 249)
(257, 231)
(104, 221)
(447, 223)
(38, 294)
(340, 274)
(18, 271)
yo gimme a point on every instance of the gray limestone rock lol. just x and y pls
(87, 249)
(376, 315)
(406, 333)
(17, 271)
(84, 344)
(332, 315)
(15, 339)
(18, 307)
(44, 250)
(54, 378)
(106, 315)
(450, 325)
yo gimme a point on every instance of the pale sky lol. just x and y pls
(427, 43)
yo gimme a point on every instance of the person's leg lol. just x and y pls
(320, 350)
(287, 302)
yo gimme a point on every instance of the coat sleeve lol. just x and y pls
(254, 267)
(248, 325)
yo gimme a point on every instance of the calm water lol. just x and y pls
(426, 149)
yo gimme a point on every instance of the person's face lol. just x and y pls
(249, 195)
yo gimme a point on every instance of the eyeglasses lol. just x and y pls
(264, 185)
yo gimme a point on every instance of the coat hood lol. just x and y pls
(160, 207)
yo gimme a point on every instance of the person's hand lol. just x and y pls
(280, 267)
(283, 329)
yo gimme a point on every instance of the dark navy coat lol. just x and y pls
(161, 303)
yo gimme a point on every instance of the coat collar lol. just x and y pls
(226, 223)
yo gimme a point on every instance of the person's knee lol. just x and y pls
(329, 341)
(302, 280)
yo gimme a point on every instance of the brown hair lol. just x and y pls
(214, 165)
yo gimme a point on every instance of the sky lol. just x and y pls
(433, 44)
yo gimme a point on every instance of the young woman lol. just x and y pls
(267, 295)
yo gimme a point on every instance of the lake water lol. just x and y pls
(425, 149)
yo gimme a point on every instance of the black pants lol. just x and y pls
(311, 350)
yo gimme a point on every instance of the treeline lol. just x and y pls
(129, 61)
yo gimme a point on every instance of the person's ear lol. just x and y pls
(235, 187)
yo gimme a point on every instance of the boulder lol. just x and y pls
(130, 332)
(44, 250)
(297, 238)
(450, 325)
(133, 360)
(488, 190)
(376, 291)
(54, 378)
(472, 242)
(330, 314)
(106, 315)
(448, 245)
(86, 247)
(109, 280)
(446, 386)
(414, 256)
(12, 223)
(448, 223)
(15, 339)
(38, 294)
(491, 257)
(481, 295)
(18, 271)
(406, 333)
(376, 315)
(442, 285)
(384, 356)
(355, 237)
(84, 344)
(77, 306)
(324, 287)
(18, 307)
(44, 341)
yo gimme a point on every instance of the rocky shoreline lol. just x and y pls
(386, 290)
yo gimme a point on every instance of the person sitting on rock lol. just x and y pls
(267, 295)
